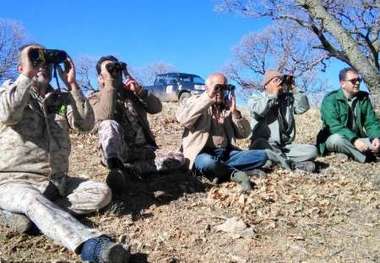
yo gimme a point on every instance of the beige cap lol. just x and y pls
(269, 75)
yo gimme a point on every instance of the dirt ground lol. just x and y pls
(333, 216)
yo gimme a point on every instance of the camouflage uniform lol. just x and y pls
(35, 147)
(114, 142)
(124, 131)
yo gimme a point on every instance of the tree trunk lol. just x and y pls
(356, 58)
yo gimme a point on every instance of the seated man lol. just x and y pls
(35, 148)
(273, 121)
(350, 126)
(125, 140)
(212, 123)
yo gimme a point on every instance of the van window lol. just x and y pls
(160, 80)
(171, 80)
(185, 78)
(198, 80)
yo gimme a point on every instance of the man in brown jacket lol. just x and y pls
(35, 147)
(126, 142)
(212, 123)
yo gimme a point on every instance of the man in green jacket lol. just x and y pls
(350, 125)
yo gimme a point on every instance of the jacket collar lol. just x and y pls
(340, 95)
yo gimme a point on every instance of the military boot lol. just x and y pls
(116, 179)
(102, 249)
(15, 222)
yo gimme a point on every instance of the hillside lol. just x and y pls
(332, 216)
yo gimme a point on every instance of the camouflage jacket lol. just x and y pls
(34, 139)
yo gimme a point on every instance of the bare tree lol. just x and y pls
(347, 30)
(11, 38)
(86, 73)
(146, 75)
(280, 47)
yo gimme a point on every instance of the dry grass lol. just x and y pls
(328, 217)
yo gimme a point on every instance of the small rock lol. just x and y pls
(238, 259)
(341, 158)
(236, 227)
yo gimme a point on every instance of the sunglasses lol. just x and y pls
(353, 81)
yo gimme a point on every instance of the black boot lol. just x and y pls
(102, 249)
(116, 179)
(115, 163)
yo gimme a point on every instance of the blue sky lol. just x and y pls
(188, 34)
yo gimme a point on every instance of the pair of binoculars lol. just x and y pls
(287, 81)
(116, 67)
(227, 90)
(224, 87)
(40, 56)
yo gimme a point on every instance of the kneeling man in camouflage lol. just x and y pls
(126, 142)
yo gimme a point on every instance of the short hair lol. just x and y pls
(343, 73)
(102, 59)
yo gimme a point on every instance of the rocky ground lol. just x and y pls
(333, 216)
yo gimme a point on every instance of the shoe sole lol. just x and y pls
(118, 254)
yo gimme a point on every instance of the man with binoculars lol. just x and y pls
(212, 122)
(35, 189)
(273, 121)
(127, 145)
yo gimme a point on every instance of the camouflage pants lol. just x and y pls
(144, 159)
(47, 209)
